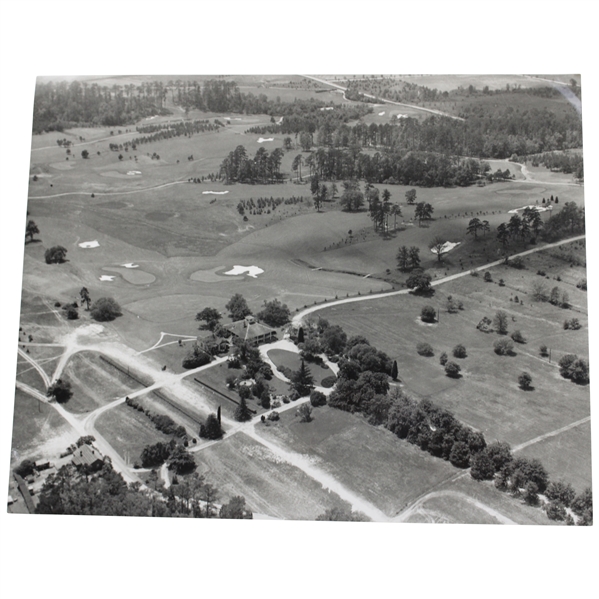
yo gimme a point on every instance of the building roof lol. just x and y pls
(86, 455)
(248, 329)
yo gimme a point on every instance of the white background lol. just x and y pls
(98, 557)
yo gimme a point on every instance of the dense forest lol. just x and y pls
(58, 106)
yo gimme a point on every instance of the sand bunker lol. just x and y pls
(446, 247)
(107, 278)
(135, 277)
(218, 193)
(132, 173)
(261, 140)
(402, 116)
(280, 121)
(381, 113)
(130, 265)
(208, 276)
(327, 108)
(62, 166)
(537, 208)
(89, 244)
(252, 271)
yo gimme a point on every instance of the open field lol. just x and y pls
(94, 382)
(128, 431)
(370, 461)
(487, 396)
(241, 466)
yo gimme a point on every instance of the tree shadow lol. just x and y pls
(28, 241)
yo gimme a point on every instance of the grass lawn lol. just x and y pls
(240, 466)
(566, 456)
(487, 396)
(370, 461)
(292, 361)
(128, 431)
(94, 382)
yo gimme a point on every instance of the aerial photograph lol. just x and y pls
(305, 297)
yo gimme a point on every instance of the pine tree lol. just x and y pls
(300, 335)
(302, 380)
(242, 413)
(394, 371)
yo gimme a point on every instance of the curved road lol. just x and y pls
(362, 298)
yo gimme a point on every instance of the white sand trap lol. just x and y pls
(537, 208)
(280, 120)
(107, 278)
(131, 173)
(252, 271)
(446, 247)
(218, 193)
(130, 265)
(381, 113)
(402, 116)
(89, 244)
(135, 277)
(261, 140)
(327, 108)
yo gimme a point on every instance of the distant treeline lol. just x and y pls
(561, 162)
(425, 169)
(61, 105)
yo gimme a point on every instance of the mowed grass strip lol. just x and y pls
(128, 431)
(370, 461)
(241, 466)
(94, 382)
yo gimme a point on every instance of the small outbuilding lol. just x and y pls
(86, 455)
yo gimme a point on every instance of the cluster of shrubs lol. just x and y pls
(71, 311)
(574, 368)
(172, 452)
(196, 357)
(453, 305)
(572, 324)
(162, 422)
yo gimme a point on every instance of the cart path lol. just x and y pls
(35, 365)
(300, 315)
(551, 434)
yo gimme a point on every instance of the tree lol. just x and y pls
(423, 211)
(196, 357)
(394, 370)
(25, 468)
(481, 466)
(403, 258)
(242, 412)
(155, 455)
(306, 141)
(300, 335)
(421, 283)
(334, 339)
(60, 391)
(181, 461)
(304, 412)
(336, 514)
(211, 429)
(236, 509)
(85, 154)
(500, 322)
(85, 297)
(55, 255)
(414, 257)
(352, 199)
(297, 165)
(437, 246)
(531, 493)
(302, 380)
(503, 347)
(459, 351)
(237, 307)
(31, 230)
(503, 236)
(443, 358)
(318, 398)
(411, 196)
(210, 316)
(560, 491)
(473, 226)
(525, 381)
(460, 454)
(428, 314)
(105, 309)
(518, 337)
(274, 313)
(452, 370)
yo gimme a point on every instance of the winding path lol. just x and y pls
(297, 319)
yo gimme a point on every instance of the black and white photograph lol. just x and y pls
(299, 296)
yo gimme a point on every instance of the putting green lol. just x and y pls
(134, 276)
